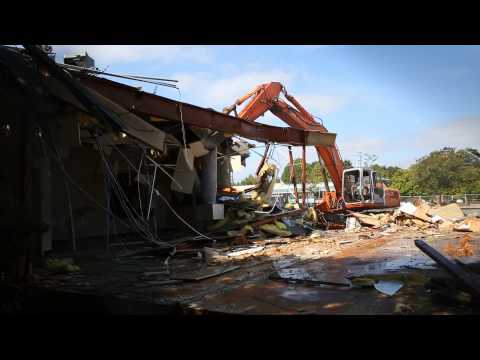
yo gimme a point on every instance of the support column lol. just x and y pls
(208, 178)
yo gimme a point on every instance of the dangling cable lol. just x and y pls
(181, 118)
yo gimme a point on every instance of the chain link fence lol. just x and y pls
(463, 200)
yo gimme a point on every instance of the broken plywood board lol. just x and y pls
(448, 212)
(203, 274)
(412, 210)
(197, 148)
(366, 219)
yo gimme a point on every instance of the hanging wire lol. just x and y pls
(145, 79)
(164, 199)
(138, 182)
(181, 118)
(59, 163)
(139, 222)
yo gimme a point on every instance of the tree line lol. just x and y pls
(445, 171)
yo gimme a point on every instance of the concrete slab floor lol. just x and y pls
(333, 257)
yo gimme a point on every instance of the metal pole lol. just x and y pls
(304, 175)
(260, 165)
(293, 178)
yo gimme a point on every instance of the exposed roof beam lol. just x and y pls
(143, 103)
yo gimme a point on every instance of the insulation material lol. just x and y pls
(185, 173)
(197, 148)
(236, 162)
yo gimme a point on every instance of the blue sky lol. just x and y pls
(398, 102)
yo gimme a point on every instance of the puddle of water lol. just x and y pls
(392, 265)
(294, 274)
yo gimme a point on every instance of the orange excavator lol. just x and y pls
(356, 188)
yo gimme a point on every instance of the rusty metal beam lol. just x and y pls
(142, 103)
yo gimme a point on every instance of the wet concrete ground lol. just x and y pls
(306, 265)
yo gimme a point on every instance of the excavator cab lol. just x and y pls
(362, 186)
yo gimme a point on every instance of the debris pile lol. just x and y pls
(421, 217)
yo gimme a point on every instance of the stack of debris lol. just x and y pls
(419, 217)
(257, 215)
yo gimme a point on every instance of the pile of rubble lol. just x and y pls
(421, 216)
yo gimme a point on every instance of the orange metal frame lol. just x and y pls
(266, 97)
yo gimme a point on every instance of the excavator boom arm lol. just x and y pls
(266, 97)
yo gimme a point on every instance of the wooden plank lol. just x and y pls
(251, 250)
(469, 281)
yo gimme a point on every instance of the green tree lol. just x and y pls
(446, 171)
(298, 171)
(314, 171)
(386, 171)
(249, 180)
(404, 182)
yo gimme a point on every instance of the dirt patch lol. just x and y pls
(464, 248)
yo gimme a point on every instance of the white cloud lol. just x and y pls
(459, 133)
(321, 105)
(224, 91)
(121, 54)
(404, 149)
(350, 148)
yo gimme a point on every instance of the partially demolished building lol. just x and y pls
(90, 164)
(81, 154)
